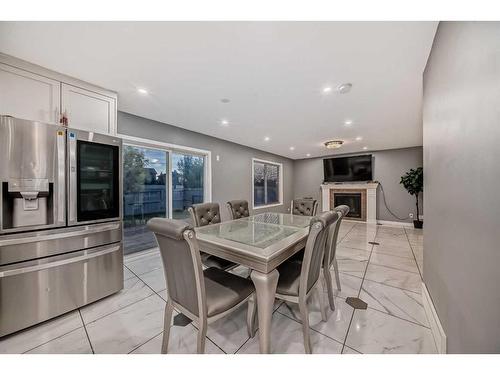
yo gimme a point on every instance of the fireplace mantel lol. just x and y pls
(371, 197)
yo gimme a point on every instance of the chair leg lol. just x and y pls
(167, 321)
(319, 295)
(337, 277)
(329, 287)
(202, 335)
(304, 312)
(251, 316)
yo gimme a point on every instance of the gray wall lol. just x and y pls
(388, 167)
(231, 176)
(462, 180)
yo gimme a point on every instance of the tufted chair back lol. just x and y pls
(181, 261)
(238, 209)
(304, 207)
(205, 214)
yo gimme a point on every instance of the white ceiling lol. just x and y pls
(272, 72)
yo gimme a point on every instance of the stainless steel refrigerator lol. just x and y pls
(60, 220)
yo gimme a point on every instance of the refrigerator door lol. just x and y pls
(94, 162)
(37, 290)
(32, 175)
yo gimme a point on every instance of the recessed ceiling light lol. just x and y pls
(344, 88)
(224, 122)
(327, 89)
(359, 138)
(292, 148)
(142, 91)
(334, 144)
(266, 139)
(225, 100)
(348, 122)
(308, 155)
(365, 148)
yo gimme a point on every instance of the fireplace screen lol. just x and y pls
(353, 200)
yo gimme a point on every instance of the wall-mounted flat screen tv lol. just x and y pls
(351, 168)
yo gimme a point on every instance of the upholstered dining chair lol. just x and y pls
(304, 207)
(298, 280)
(204, 296)
(238, 209)
(330, 252)
(206, 214)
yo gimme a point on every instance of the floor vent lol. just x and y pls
(356, 303)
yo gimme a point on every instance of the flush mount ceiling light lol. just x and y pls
(344, 88)
(334, 144)
(142, 91)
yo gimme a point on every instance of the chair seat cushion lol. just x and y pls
(289, 279)
(225, 290)
(213, 261)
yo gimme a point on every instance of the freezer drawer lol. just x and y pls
(27, 246)
(34, 291)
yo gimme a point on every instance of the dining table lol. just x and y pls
(260, 242)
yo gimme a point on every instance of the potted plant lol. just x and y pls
(413, 182)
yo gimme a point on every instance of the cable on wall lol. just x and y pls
(387, 207)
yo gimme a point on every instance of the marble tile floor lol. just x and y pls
(386, 276)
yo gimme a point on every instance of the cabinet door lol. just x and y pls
(88, 110)
(28, 96)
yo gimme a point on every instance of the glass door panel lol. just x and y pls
(97, 181)
(145, 194)
(187, 183)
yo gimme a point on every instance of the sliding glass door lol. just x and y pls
(149, 174)
(145, 194)
(187, 183)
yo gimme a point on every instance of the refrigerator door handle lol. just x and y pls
(72, 196)
(57, 236)
(61, 177)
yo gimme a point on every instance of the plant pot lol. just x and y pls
(418, 224)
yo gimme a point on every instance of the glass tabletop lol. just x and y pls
(248, 232)
(289, 220)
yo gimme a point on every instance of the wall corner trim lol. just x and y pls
(434, 322)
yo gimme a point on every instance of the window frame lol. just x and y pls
(280, 173)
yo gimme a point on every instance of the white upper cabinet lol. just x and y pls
(31, 92)
(88, 110)
(28, 96)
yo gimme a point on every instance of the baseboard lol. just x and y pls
(434, 322)
(385, 222)
(395, 223)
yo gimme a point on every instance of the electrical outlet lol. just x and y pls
(411, 215)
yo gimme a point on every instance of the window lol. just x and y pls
(267, 179)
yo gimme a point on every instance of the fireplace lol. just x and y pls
(355, 199)
(352, 200)
(367, 191)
